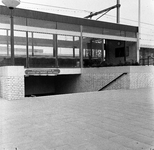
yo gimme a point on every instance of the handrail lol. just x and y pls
(112, 81)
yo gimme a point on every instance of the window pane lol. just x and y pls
(68, 51)
(92, 51)
(43, 44)
(20, 48)
(41, 50)
(4, 48)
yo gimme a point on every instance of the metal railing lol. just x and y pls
(114, 80)
(147, 61)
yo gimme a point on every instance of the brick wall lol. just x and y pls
(93, 79)
(94, 82)
(141, 80)
(12, 82)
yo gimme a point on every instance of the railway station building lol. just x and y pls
(56, 54)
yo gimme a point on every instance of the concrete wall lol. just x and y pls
(12, 82)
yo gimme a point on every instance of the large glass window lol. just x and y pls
(68, 51)
(4, 48)
(40, 50)
(20, 47)
(19, 43)
(92, 51)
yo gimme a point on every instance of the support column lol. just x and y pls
(102, 58)
(27, 53)
(55, 49)
(139, 30)
(7, 34)
(118, 11)
(12, 37)
(81, 47)
(32, 44)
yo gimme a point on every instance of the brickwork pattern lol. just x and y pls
(121, 83)
(141, 80)
(12, 88)
(94, 82)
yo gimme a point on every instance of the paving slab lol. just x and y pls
(115, 119)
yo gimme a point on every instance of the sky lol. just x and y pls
(82, 8)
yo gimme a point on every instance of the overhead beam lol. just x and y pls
(102, 11)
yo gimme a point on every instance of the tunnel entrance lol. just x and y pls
(50, 85)
(39, 85)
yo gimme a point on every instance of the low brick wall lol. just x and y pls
(93, 79)
(93, 82)
(142, 77)
(12, 85)
(12, 82)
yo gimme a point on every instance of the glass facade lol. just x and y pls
(68, 51)
(49, 44)
(5, 54)
(92, 51)
(40, 51)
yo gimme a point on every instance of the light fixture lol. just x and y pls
(11, 3)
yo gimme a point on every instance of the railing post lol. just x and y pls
(148, 60)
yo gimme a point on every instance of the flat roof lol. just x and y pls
(66, 19)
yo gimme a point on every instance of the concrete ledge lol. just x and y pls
(69, 71)
(11, 71)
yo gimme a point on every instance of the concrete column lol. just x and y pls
(81, 47)
(12, 82)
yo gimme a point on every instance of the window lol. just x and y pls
(68, 46)
(68, 51)
(40, 50)
(121, 52)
